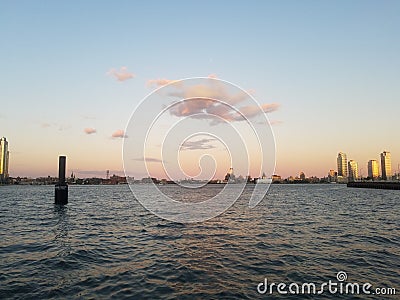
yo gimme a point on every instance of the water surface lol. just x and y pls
(104, 244)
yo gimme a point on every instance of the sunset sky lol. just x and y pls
(72, 73)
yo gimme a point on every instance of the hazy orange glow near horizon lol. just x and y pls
(328, 74)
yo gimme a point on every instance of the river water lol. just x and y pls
(104, 244)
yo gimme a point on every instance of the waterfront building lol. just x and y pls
(373, 169)
(263, 179)
(230, 176)
(386, 165)
(353, 170)
(342, 179)
(4, 159)
(342, 164)
(276, 178)
(332, 176)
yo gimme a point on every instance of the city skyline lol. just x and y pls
(346, 170)
(350, 169)
(70, 87)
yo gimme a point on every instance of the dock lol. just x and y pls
(384, 185)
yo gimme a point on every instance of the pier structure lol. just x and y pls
(385, 185)
(61, 188)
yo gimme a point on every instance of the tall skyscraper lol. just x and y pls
(386, 165)
(342, 164)
(4, 158)
(353, 170)
(373, 169)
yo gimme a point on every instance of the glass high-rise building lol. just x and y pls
(342, 164)
(373, 169)
(386, 165)
(353, 170)
(4, 158)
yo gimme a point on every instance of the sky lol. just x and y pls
(73, 72)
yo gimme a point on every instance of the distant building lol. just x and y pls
(386, 165)
(373, 169)
(4, 159)
(263, 179)
(353, 170)
(230, 176)
(148, 180)
(276, 178)
(249, 179)
(342, 164)
(332, 176)
(302, 176)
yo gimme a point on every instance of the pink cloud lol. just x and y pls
(205, 108)
(213, 101)
(119, 134)
(213, 90)
(191, 106)
(89, 130)
(122, 74)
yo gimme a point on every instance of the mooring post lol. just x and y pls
(61, 188)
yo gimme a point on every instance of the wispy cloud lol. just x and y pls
(119, 134)
(272, 123)
(276, 122)
(59, 126)
(163, 81)
(149, 159)
(253, 110)
(122, 74)
(88, 117)
(89, 130)
(159, 82)
(198, 145)
(63, 127)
